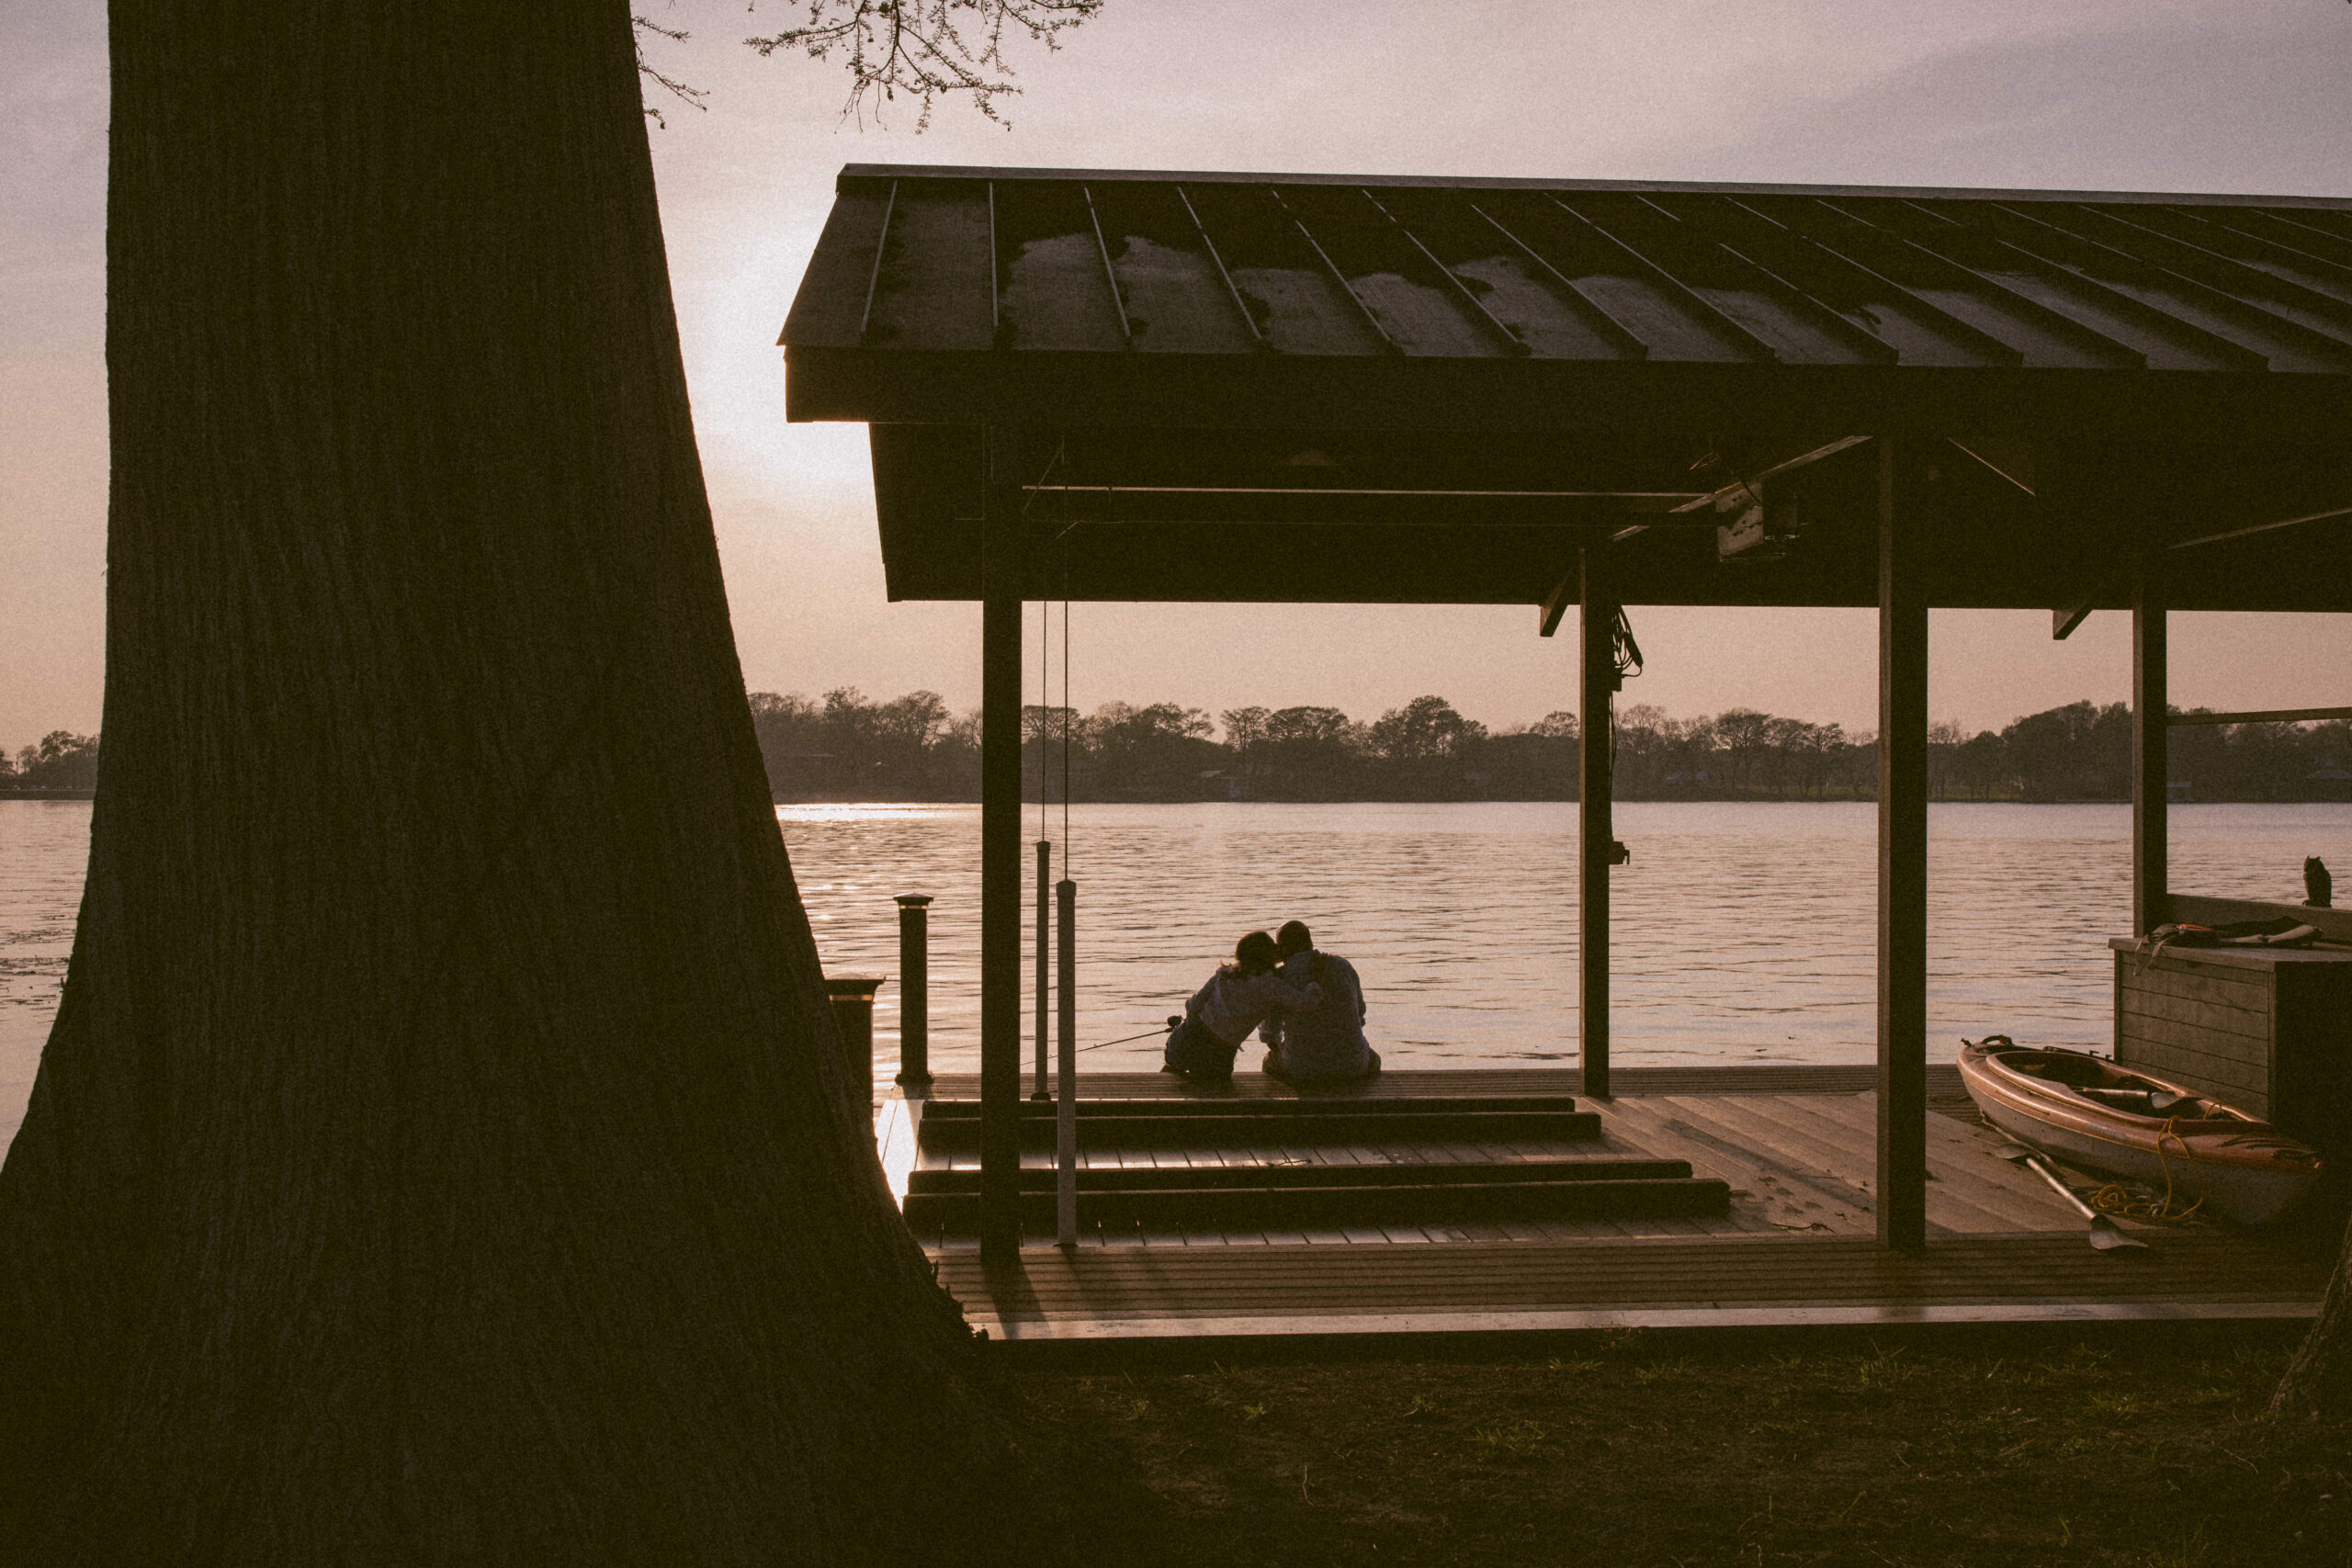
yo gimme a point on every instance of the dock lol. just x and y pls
(1780, 1229)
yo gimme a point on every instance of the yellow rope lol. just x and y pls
(2113, 1198)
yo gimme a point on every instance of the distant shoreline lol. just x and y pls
(47, 795)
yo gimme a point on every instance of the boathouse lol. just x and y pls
(1584, 395)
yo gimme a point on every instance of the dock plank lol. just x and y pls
(1784, 1198)
(1279, 1288)
(1955, 1201)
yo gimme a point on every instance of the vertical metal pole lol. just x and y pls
(1000, 594)
(1044, 945)
(1065, 1080)
(1902, 529)
(1597, 623)
(914, 991)
(2151, 840)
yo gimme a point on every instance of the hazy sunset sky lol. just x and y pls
(2236, 96)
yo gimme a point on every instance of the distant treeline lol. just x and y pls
(845, 746)
(63, 763)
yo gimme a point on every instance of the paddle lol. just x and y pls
(2106, 1234)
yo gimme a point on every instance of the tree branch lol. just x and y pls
(677, 89)
(925, 49)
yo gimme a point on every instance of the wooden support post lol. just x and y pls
(853, 1000)
(2151, 850)
(1596, 838)
(1001, 587)
(1902, 531)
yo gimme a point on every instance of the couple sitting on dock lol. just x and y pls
(1307, 1005)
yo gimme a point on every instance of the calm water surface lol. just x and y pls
(1744, 932)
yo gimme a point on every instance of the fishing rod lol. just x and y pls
(1167, 1028)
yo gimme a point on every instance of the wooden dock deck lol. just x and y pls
(1797, 1246)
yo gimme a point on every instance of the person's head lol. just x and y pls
(1255, 954)
(1294, 938)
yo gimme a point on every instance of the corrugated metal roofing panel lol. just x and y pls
(933, 260)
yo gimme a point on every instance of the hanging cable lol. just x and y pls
(1625, 653)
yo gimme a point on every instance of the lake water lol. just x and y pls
(1745, 931)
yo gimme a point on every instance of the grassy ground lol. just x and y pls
(1639, 1449)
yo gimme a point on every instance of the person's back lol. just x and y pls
(1325, 1043)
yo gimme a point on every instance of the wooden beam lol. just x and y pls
(2327, 517)
(1555, 604)
(1596, 840)
(2013, 460)
(1002, 569)
(1903, 534)
(2151, 851)
(1747, 487)
(2063, 622)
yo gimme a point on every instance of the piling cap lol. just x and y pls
(914, 901)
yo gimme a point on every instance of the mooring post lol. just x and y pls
(1066, 1077)
(1596, 838)
(2151, 785)
(853, 1000)
(1904, 484)
(1045, 943)
(914, 991)
(1002, 586)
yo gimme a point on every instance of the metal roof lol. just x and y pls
(928, 258)
(2202, 342)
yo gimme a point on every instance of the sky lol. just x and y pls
(2225, 96)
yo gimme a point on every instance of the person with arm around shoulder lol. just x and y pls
(1239, 997)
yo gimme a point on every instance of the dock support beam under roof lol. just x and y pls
(1002, 585)
(1596, 838)
(1903, 532)
(2151, 844)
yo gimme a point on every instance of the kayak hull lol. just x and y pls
(2091, 1114)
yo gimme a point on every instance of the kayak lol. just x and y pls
(2086, 1111)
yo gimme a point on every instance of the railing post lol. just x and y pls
(1045, 942)
(914, 991)
(1066, 1108)
(853, 1000)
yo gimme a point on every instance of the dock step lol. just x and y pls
(1336, 1196)
(1108, 1178)
(1223, 1105)
(953, 1126)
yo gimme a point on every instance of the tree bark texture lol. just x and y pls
(2318, 1384)
(441, 1153)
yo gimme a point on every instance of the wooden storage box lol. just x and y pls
(2269, 1032)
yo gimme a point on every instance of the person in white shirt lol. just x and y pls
(1237, 999)
(1323, 1043)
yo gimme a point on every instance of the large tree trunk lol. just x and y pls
(441, 1153)
(2318, 1385)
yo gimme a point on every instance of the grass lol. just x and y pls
(1639, 1453)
